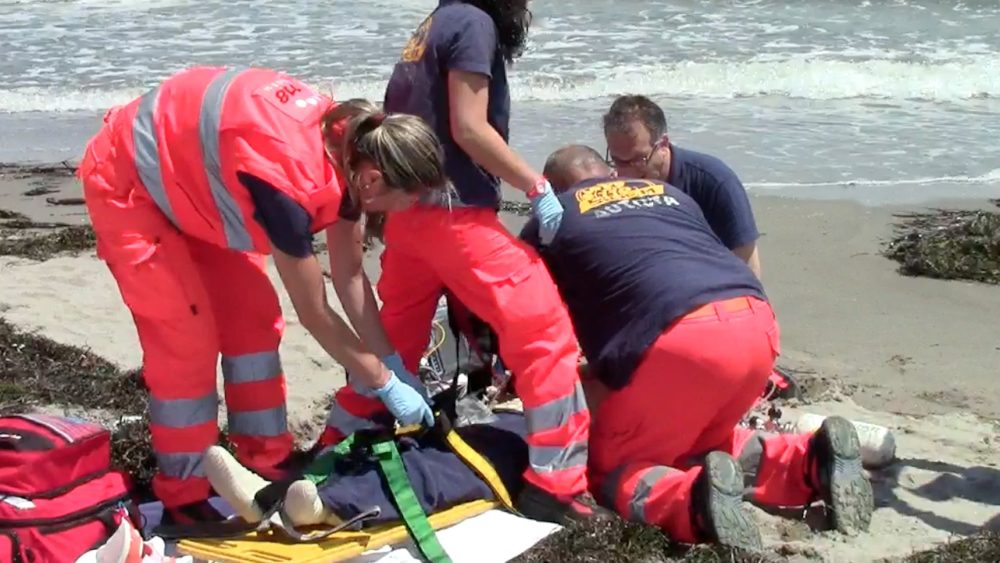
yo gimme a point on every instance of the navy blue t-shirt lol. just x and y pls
(287, 224)
(630, 258)
(719, 193)
(456, 36)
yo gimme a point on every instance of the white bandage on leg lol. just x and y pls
(234, 483)
(304, 507)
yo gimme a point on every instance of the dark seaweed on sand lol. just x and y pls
(974, 549)
(619, 541)
(949, 244)
(20, 236)
(65, 169)
(75, 238)
(515, 207)
(37, 372)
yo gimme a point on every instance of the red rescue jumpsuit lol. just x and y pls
(695, 384)
(503, 281)
(176, 228)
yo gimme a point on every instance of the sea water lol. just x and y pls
(879, 99)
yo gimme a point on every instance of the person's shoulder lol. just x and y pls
(567, 196)
(674, 192)
(709, 165)
(461, 14)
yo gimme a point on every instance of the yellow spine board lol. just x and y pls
(275, 548)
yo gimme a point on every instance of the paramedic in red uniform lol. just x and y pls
(452, 74)
(635, 129)
(679, 333)
(188, 188)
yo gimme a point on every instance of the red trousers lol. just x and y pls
(504, 282)
(190, 302)
(698, 379)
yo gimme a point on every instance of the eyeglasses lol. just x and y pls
(636, 162)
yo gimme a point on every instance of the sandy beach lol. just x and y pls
(917, 355)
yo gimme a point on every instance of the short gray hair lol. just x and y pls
(630, 107)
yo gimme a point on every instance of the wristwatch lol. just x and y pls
(540, 186)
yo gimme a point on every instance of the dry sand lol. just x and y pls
(919, 356)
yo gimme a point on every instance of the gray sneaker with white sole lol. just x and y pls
(835, 455)
(717, 505)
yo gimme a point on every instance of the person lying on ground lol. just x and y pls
(188, 188)
(638, 147)
(681, 338)
(354, 484)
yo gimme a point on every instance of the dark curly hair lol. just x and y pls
(512, 18)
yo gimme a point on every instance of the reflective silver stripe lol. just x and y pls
(147, 153)
(180, 466)
(248, 368)
(184, 413)
(345, 422)
(556, 414)
(750, 458)
(267, 422)
(637, 504)
(546, 459)
(209, 120)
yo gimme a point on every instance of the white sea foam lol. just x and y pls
(991, 177)
(978, 77)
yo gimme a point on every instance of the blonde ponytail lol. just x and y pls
(402, 147)
(336, 122)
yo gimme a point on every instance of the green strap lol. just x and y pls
(406, 501)
(322, 467)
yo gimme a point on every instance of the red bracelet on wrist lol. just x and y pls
(538, 188)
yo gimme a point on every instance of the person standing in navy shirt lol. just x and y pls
(452, 73)
(638, 146)
(681, 338)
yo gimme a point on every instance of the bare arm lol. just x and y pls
(303, 279)
(344, 239)
(468, 95)
(749, 254)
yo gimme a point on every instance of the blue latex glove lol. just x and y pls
(404, 402)
(395, 364)
(549, 211)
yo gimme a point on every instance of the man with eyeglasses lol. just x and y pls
(638, 147)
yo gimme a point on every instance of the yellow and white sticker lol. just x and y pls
(616, 191)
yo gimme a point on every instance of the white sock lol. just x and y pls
(304, 507)
(234, 483)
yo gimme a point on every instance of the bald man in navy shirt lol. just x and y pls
(680, 338)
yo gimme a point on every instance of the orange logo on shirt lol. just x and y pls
(606, 193)
(415, 47)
